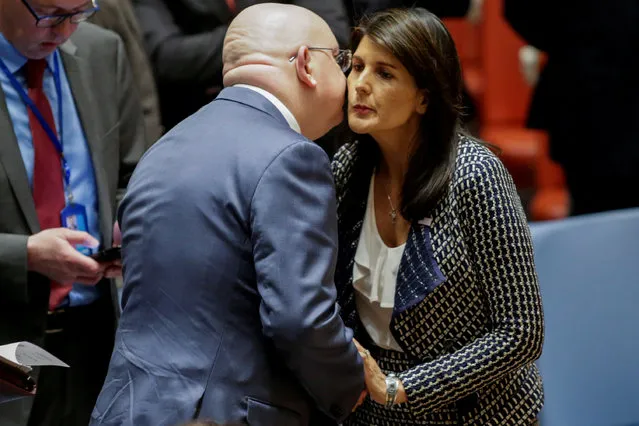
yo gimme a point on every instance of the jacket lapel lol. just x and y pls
(14, 166)
(79, 76)
(418, 273)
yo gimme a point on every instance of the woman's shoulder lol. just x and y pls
(479, 177)
(476, 158)
(342, 163)
(472, 150)
(346, 153)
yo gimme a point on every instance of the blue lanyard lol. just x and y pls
(31, 105)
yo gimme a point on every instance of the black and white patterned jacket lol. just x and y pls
(467, 305)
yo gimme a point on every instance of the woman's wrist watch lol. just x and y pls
(392, 385)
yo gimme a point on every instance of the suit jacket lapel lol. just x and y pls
(79, 76)
(14, 165)
(418, 273)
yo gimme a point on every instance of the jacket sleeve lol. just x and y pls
(294, 237)
(500, 248)
(13, 268)
(176, 56)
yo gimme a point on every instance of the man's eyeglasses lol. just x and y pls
(343, 57)
(48, 21)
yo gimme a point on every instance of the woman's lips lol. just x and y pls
(362, 109)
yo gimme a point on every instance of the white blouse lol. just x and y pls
(375, 277)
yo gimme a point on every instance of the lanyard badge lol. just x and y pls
(74, 216)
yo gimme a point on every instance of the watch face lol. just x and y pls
(392, 385)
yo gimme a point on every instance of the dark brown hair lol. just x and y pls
(421, 42)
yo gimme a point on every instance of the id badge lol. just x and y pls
(74, 216)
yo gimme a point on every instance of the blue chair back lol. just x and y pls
(589, 277)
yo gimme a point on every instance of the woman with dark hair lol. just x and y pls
(435, 270)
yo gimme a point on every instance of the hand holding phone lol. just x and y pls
(112, 259)
(108, 255)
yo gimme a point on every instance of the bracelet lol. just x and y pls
(392, 386)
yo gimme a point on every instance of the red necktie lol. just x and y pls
(48, 187)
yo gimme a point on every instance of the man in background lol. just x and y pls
(119, 17)
(184, 40)
(71, 133)
(587, 96)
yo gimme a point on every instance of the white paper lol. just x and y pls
(25, 353)
(9, 352)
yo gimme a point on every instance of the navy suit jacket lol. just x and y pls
(229, 305)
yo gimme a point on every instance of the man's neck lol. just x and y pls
(278, 103)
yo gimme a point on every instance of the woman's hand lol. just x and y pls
(376, 380)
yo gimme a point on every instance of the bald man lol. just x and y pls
(229, 244)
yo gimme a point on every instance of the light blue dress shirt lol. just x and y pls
(75, 147)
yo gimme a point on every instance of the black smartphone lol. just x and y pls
(108, 255)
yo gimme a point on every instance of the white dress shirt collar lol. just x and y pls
(288, 115)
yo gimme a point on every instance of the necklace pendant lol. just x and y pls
(393, 215)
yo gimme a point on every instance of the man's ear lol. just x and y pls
(304, 68)
(422, 102)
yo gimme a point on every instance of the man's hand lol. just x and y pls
(52, 253)
(117, 234)
(114, 269)
(360, 401)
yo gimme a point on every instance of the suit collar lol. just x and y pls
(11, 159)
(69, 47)
(283, 109)
(9, 151)
(252, 99)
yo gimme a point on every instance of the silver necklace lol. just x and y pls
(393, 210)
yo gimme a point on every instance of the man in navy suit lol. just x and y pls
(229, 246)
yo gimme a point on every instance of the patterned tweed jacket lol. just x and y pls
(467, 304)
